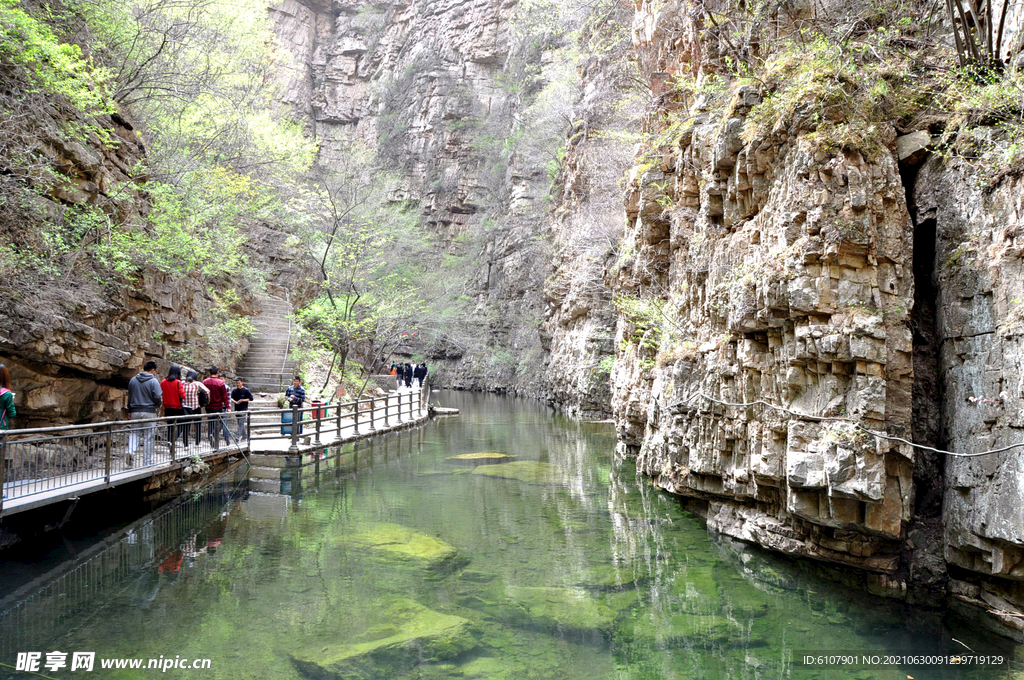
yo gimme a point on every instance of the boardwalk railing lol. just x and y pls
(126, 565)
(36, 461)
(333, 422)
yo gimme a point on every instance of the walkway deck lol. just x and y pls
(49, 465)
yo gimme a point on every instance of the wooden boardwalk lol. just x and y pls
(50, 465)
(39, 493)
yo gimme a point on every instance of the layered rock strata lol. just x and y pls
(72, 343)
(768, 267)
(440, 92)
(978, 264)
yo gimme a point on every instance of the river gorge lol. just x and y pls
(394, 559)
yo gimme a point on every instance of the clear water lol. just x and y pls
(418, 567)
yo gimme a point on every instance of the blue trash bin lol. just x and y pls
(286, 420)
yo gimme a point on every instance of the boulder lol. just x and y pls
(397, 543)
(528, 471)
(403, 634)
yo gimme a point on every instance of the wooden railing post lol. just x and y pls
(355, 417)
(295, 429)
(216, 430)
(319, 416)
(338, 436)
(172, 435)
(110, 451)
(373, 413)
(387, 410)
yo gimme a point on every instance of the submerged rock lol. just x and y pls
(403, 634)
(696, 590)
(606, 577)
(529, 471)
(481, 458)
(569, 611)
(400, 543)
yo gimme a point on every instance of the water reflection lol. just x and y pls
(127, 569)
(387, 560)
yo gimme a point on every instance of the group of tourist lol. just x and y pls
(406, 373)
(185, 397)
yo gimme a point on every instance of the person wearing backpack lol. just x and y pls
(7, 410)
(197, 395)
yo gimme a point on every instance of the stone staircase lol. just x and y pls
(265, 367)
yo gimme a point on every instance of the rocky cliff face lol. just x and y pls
(785, 266)
(978, 287)
(72, 343)
(442, 92)
(789, 294)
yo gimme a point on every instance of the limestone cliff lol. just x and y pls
(446, 94)
(788, 296)
(72, 342)
(977, 261)
(786, 267)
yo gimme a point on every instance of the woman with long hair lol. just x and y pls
(7, 410)
(174, 394)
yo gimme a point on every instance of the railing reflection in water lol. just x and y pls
(39, 612)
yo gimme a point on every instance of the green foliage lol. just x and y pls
(52, 67)
(838, 91)
(221, 152)
(986, 128)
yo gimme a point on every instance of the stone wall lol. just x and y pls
(857, 285)
(783, 271)
(979, 257)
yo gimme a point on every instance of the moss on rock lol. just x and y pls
(403, 635)
(528, 471)
(571, 612)
(481, 458)
(400, 543)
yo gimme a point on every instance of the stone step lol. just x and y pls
(277, 363)
(269, 364)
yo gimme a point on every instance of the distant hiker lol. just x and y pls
(408, 375)
(396, 370)
(173, 394)
(240, 397)
(7, 410)
(218, 403)
(420, 373)
(144, 398)
(197, 395)
(295, 394)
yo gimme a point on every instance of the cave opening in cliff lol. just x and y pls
(926, 422)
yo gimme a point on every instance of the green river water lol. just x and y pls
(560, 564)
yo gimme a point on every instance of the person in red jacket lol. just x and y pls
(173, 392)
(219, 401)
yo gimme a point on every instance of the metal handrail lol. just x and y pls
(348, 411)
(47, 458)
